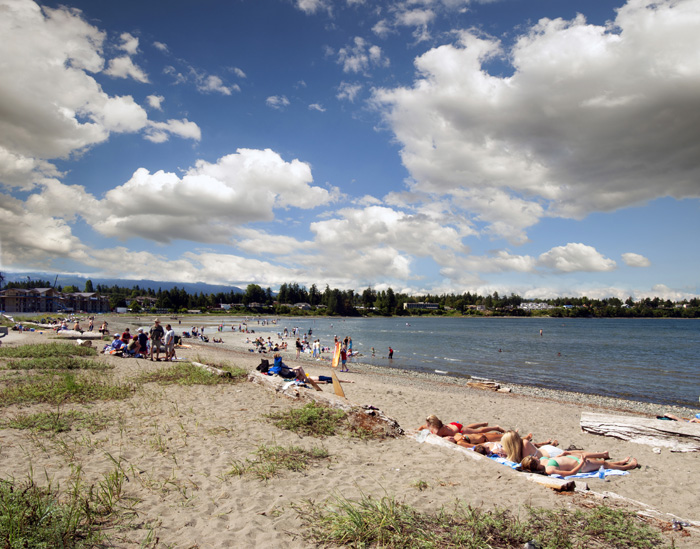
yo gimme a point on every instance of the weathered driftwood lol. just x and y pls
(216, 371)
(557, 484)
(679, 436)
(363, 417)
(488, 385)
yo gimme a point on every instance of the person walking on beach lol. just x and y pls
(391, 353)
(298, 344)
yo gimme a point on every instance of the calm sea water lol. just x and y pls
(651, 360)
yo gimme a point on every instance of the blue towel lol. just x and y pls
(592, 474)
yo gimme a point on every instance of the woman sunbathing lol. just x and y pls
(436, 427)
(570, 465)
(517, 447)
(285, 371)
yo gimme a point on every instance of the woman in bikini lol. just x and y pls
(570, 465)
(438, 428)
(517, 447)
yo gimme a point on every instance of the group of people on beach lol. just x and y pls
(144, 345)
(545, 457)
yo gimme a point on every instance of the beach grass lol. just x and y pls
(55, 363)
(63, 388)
(386, 522)
(38, 516)
(57, 421)
(311, 420)
(185, 373)
(270, 460)
(316, 420)
(45, 350)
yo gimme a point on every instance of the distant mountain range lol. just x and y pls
(79, 282)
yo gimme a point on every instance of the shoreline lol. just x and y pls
(235, 341)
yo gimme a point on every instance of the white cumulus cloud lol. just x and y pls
(635, 260)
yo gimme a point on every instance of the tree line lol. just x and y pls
(332, 301)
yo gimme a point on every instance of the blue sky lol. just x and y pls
(543, 148)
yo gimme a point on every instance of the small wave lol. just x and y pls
(528, 362)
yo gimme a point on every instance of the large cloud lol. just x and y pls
(52, 106)
(210, 201)
(592, 119)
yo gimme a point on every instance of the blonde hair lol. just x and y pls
(513, 445)
(530, 463)
(434, 421)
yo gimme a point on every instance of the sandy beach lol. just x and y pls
(178, 443)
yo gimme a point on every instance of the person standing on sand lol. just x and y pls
(343, 359)
(298, 344)
(169, 342)
(156, 333)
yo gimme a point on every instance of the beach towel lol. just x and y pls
(594, 474)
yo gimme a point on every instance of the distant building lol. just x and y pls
(50, 300)
(431, 306)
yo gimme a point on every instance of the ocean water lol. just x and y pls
(649, 360)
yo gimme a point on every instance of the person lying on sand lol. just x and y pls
(517, 447)
(492, 442)
(436, 427)
(571, 465)
(282, 370)
(326, 379)
(676, 418)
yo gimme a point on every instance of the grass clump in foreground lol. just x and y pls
(184, 373)
(387, 523)
(59, 389)
(269, 461)
(39, 517)
(45, 350)
(317, 421)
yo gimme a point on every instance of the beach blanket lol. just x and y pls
(592, 474)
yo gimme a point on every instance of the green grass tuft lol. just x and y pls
(269, 461)
(44, 350)
(63, 388)
(387, 523)
(57, 422)
(184, 373)
(312, 419)
(55, 363)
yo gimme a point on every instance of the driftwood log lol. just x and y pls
(556, 484)
(488, 385)
(679, 436)
(364, 417)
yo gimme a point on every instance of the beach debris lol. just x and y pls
(679, 436)
(366, 417)
(484, 384)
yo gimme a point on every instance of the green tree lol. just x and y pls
(88, 286)
(254, 294)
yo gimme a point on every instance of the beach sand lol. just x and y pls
(178, 443)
